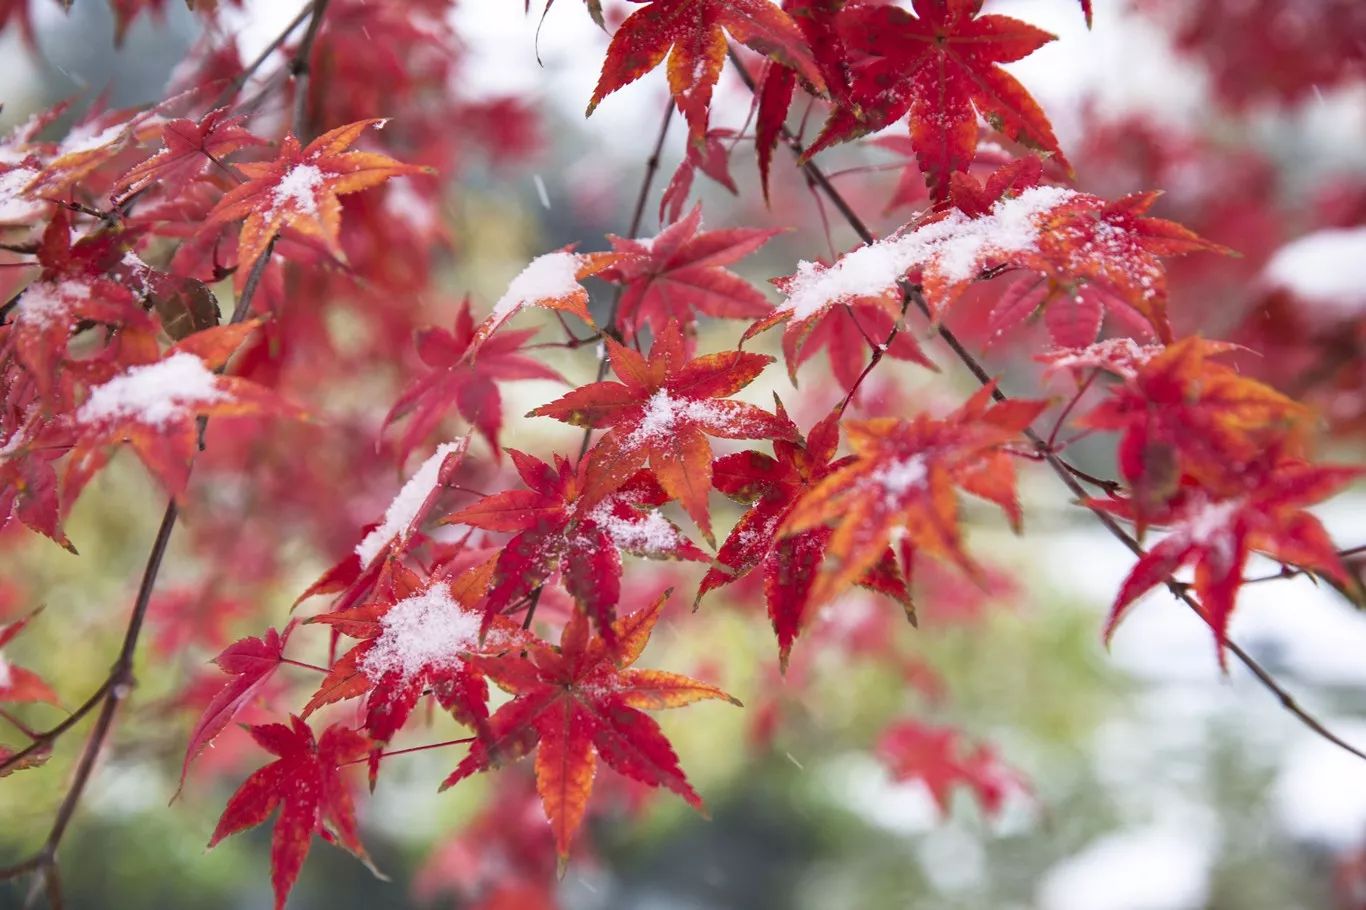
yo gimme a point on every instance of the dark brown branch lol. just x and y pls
(1065, 472)
(637, 216)
(300, 69)
(241, 79)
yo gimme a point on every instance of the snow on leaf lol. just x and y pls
(1215, 526)
(412, 501)
(154, 394)
(899, 487)
(662, 412)
(555, 527)
(550, 281)
(953, 248)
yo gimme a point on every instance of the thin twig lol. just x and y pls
(1061, 468)
(241, 79)
(637, 216)
(300, 69)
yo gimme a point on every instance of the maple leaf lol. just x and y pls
(16, 683)
(550, 281)
(555, 526)
(580, 699)
(300, 190)
(189, 147)
(935, 756)
(251, 662)
(942, 66)
(1183, 413)
(1092, 255)
(902, 480)
(693, 34)
(790, 564)
(844, 335)
(662, 412)
(306, 783)
(681, 272)
(1214, 527)
(470, 386)
(416, 640)
(817, 21)
(155, 407)
(711, 156)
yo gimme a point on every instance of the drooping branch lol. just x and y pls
(1067, 473)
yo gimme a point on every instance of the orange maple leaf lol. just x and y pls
(300, 190)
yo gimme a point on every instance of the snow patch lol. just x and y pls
(1326, 269)
(299, 188)
(899, 477)
(44, 302)
(406, 504)
(154, 394)
(426, 630)
(6, 677)
(15, 206)
(645, 532)
(663, 413)
(955, 245)
(547, 277)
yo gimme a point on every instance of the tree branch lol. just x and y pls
(1065, 472)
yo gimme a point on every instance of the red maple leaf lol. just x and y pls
(155, 407)
(16, 683)
(188, 149)
(681, 272)
(415, 640)
(555, 527)
(902, 481)
(468, 385)
(935, 756)
(693, 34)
(1215, 527)
(251, 662)
(790, 564)
(580, 699)
(941, 66)
(662, 412)
(300, 190)
(844, 334)
(1183, 413)
(306, 783)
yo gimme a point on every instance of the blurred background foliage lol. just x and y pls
(1151, 782)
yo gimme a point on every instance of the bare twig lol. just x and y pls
(300, 69)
